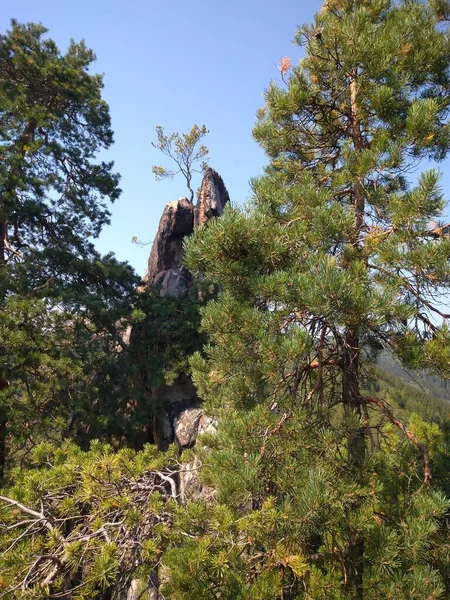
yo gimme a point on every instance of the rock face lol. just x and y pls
(165, 263)
(212, 198)
(186, 426)
(180, 417)
(177, 221)
(173, 282)
(168, 424)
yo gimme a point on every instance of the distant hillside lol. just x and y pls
(422, 380)
(412, 391)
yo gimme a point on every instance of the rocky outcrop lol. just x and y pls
(212, 198)
(176, 223)
(165, 264)
(173, 282)
(173, 400)
(189, 482)
(179, 417)
(186, 426)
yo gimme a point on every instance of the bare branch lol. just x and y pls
(28, 511)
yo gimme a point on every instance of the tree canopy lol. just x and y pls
(335, 257)
(60, 301)
(320, 482)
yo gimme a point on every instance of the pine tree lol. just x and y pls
(60, 301)
(338, 253)
(85, 524)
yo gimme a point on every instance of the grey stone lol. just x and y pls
(186, 426)
(207, 424)
(173, 282)
(177, 221)
(190, 483)
(212, 198)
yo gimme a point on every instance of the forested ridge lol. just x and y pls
(265, 414)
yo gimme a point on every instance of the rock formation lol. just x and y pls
(180, 417)
(176, 223)
(165, 264)
(212, 198)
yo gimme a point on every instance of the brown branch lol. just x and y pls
(374, 233)
(316, 364)
(440, 232)
(358, 141)
(320, 363)
(10, 249)
(45, 286)
(422, 300)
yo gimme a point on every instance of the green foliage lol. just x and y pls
(84, 523)
(286, 500)
(77, 519)
(165, 333)
(336, 253)
(53, 123)
(321, 491)
(63, 307)
(409, 396)
(185, 150)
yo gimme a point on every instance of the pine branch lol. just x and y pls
(382, 405)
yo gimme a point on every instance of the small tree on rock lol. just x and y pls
(185, 150)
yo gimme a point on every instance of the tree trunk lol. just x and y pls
(351, 397)
(356, 447)
(3, 382)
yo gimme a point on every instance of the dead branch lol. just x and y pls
(28, 511)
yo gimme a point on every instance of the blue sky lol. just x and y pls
(174, 63)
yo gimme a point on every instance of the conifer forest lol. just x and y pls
(265, 414)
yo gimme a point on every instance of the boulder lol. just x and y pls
(186, 426)
(173, 282)
(207, 424)
(190, 484)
